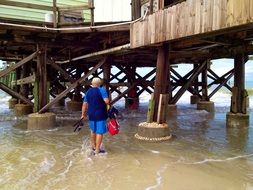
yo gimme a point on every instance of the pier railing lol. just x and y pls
(189, 18)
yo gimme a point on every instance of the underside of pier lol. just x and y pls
(59, 62)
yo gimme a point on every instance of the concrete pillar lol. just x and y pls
(237, 120)
(206, 105)
(41, 121)
(153, 132)
(22, 109)
(74, 105)
(194, 99)
(12, 103)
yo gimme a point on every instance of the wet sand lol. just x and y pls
(203, 155)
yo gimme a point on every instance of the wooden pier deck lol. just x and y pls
(192, 18)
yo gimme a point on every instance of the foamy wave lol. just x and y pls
(221, 160)
(158, 178)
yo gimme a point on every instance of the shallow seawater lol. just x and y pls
(203, 154)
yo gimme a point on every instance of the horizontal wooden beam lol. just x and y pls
(73, 8)
(98, 53)
(25, 80)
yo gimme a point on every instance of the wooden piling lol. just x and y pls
(41, 76)
(162, 66)
(162, 108)
(239, 85)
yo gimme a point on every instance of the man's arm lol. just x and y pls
(84, 109)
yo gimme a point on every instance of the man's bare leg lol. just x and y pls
(93, 140)
(99, 139)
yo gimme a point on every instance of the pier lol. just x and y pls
(52, 61)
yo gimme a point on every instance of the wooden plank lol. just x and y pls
(137, 33)
(20, 63)
(177, 15)
(244, 101)
(246, 11)
(146, 31)
(182, 21)
(223, 13)
(163, 26)
(237, 12)
(234, 99)
(26, 80)
(191, 7)
(162, 108)
(151, 109)
(173, 28)
(207, 16)
(142, 34)
(41, 75)
(72, 86)
(157, 26)
(251, 11)
(74, 7)
(216, 15)
(229, 13)
(197, 23)
(36, 96)
(15, 94)
(168, 23)
(153, 29)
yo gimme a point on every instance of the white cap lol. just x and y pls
(96, 81)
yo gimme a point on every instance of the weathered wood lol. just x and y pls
(244, 101)
(106, 73)
(20, 63)
(72, 86)
(151, 6)
(99, 53)
(151, 109)
(74, 7)
(133, 86)
(192, 17)
(162, 108)
(188, 83)
(91, 7)
(221, 84)
(234, 100)
(162, 66)
(41, 76)
(181, 81)
(15, 94)
(55, 13)
(216, 78)
(239, 79)
(62, 71)
(204, 83)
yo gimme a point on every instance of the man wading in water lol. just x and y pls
(95, 103)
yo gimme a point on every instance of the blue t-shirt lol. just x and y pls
(96, 106)
(102, 91)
